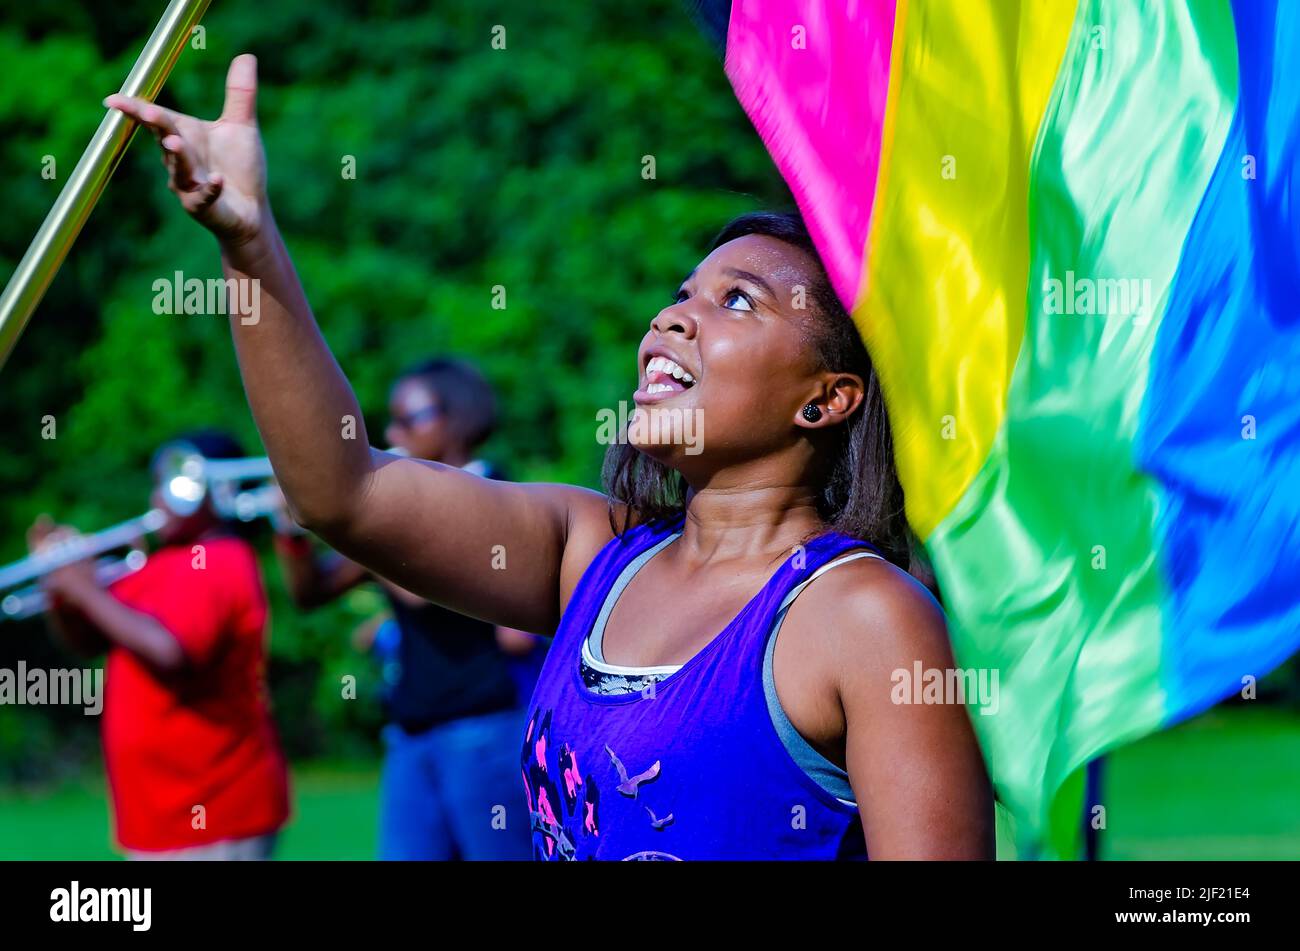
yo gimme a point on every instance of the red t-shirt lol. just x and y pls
(205, 737)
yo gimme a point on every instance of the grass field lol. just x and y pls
(1223, 786)
(335, 811)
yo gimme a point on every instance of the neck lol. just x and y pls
(456, 457)
(747, 521)
(206, 534)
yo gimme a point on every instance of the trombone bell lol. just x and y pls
(241, 489)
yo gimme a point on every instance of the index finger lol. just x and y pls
(156, 117)
(55, 537)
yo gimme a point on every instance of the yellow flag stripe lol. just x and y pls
(948, 252)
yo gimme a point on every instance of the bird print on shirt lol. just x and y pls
(628, 784)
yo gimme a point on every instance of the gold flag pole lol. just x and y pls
(82, 190)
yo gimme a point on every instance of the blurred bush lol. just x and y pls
(475, 167)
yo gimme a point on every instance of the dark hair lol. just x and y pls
(861, 495)
(211, 443)
(465, 394)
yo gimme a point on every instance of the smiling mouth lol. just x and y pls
(665, 376)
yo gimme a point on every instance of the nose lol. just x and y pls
(676, 318)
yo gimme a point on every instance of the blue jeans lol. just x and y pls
(455, 791)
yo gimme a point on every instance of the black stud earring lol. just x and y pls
(812, 413)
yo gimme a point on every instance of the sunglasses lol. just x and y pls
(410, 420)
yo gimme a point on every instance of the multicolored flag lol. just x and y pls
(1069, 233)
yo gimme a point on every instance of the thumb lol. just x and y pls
(39, 529)
(241, 90)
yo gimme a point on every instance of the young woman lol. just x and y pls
(737, 744)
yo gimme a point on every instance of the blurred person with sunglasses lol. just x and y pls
(450, 780)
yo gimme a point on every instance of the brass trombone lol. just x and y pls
(187, 478)
(30, 599)
(238, 489)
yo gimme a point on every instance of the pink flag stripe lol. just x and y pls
(814, 79)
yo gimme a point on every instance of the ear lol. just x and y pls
(837, 396)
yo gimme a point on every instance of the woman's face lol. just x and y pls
(737, 332)
(417, 421)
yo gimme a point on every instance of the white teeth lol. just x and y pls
(657, 387)
(664, 365)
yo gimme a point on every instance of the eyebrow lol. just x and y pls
(737, 272)
(753, 279)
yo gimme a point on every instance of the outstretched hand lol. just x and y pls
(217, 169)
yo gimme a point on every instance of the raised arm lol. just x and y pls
(499, 551)
(315, 579)
(87, 618)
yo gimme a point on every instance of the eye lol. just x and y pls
(736, 299)
(680, 296)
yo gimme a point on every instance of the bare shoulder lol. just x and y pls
(879, 618)
(916, 769)
(587, 531)
(587, 519)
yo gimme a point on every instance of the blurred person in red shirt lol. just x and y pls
(191, 753)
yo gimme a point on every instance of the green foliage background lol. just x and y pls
(474, 167)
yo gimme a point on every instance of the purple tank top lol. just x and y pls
(694, 769)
